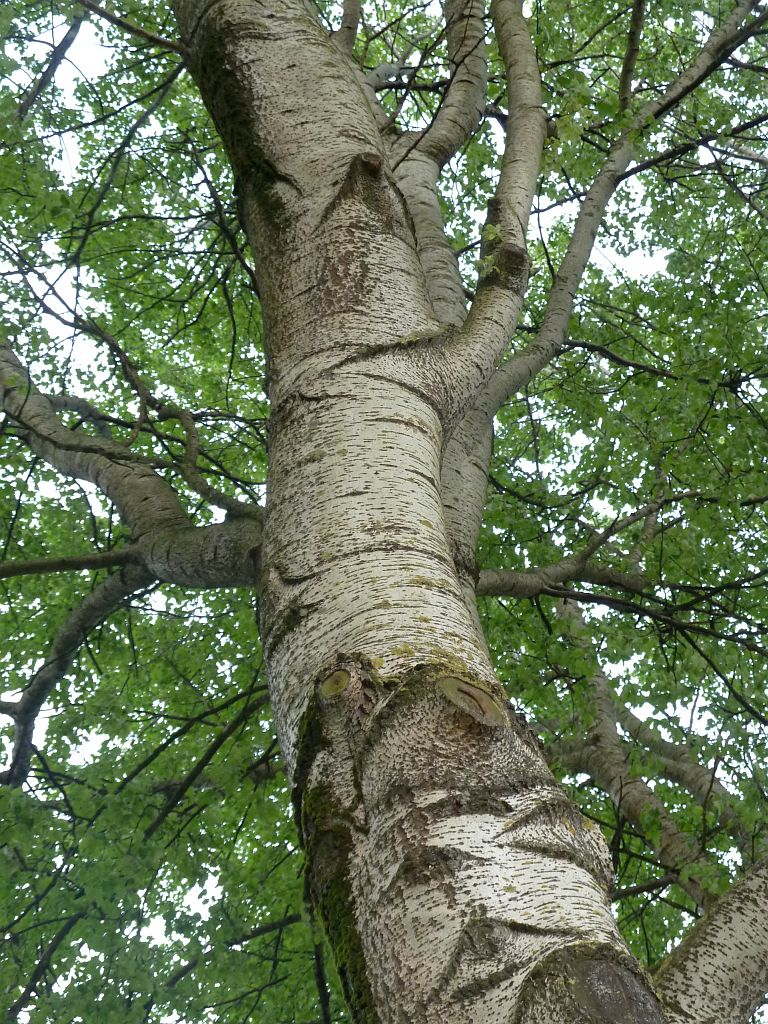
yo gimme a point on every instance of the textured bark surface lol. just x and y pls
(446, 863)
(456, 882)
(719, 974)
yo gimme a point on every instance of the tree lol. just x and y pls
(510, 561)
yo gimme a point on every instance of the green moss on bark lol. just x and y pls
(327, 840)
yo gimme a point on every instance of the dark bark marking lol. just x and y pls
(583, 986)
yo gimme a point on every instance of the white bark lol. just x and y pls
(447, 865)
(168, 547)
(417, 179)
(719, 974)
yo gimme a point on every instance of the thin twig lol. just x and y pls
(134, 30)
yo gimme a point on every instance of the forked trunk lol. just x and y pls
(455, 880)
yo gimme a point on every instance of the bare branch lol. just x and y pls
(254, 933)
(631, 54)
(130, 27)
(532, 582)
(666, 618)
(687, 147)
(89, 412)
(170, 411)
(417, 180)
(119, 154)
(68, 563)
(651, 886)
(58, 54)
(107, 597)
(172, 550)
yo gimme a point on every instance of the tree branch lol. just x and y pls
(503, 255)
(111, 594)
(680, 765)
(249, 708)
(171, 549)
(346, 34)
(605, 757)
(418, 158)
(170, 411)
(143, 499)
(520, 367)
(687, 147)
(69, 563)
(531, 583)
(534, 582)
(463, 101)
(42, 966)
(255, 933)
(631, 54)
(133, 29)
(720, 970)
(58, 54)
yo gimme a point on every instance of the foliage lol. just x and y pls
(149, 867)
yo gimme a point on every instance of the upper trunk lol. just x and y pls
(456, 882)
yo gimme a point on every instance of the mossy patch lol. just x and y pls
(327, 839)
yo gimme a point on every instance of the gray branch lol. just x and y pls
(522, 366)
(107, 597)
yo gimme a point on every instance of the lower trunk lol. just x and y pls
(456, 881)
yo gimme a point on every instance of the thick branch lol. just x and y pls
(503, 256)
(170, 548)
(604, 756)
(494, 311)
(720, 971)
(143, 499)
(463, 480)
(576, 566)
(418, 160)
(346, 34)
(533, 582)
(417, 180)
(463, 102)
(679, 764)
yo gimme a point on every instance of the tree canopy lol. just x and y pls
(150, 866)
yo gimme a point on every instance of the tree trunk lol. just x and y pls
(455, 880)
